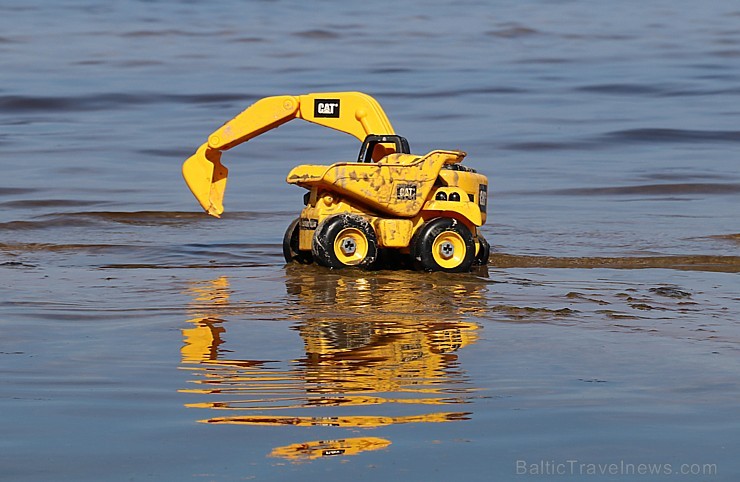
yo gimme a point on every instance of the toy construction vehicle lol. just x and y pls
(390, 202)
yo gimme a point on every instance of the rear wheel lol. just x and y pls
(345, 240)
(443, 244)
(291, 253)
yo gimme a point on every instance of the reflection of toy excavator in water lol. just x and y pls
(429, 207)
(359, 366)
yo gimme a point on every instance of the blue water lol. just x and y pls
(144, 340)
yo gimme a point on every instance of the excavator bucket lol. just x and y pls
(206, 178)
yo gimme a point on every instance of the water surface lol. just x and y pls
(142, 339)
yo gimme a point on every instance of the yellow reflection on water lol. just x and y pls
(373, 343)
(329, 448)
(364, 421)
(202, 340)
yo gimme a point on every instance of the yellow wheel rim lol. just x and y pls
(449, 250)
(350, 246)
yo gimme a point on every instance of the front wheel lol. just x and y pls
(345, 240)
(443, 244)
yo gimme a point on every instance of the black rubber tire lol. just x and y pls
(291, 253)
(436, 230)
(484, 252)
(332, 231)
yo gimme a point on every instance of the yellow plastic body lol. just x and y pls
(397, 194)
(354, 113)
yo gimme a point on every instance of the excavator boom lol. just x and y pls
(354, 113)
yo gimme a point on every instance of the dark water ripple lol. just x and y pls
(446, 94)
(55, 222)
(513, 31)
(654, 90)
(172, 32)
(661, 135)
(12, 191)
(137, 218)
(652, 190)
(317, 34)
(621, 138)
(57, 203)
(519, 31)
(535, 146)
(107, 101)
(180, 153)
(685, 176)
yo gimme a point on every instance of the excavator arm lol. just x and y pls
(354, 113)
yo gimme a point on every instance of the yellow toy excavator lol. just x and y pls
(425, 208)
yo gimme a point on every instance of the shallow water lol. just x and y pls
(142, 339)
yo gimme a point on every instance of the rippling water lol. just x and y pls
(142, 339)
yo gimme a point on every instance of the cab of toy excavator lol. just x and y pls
(375, 147)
